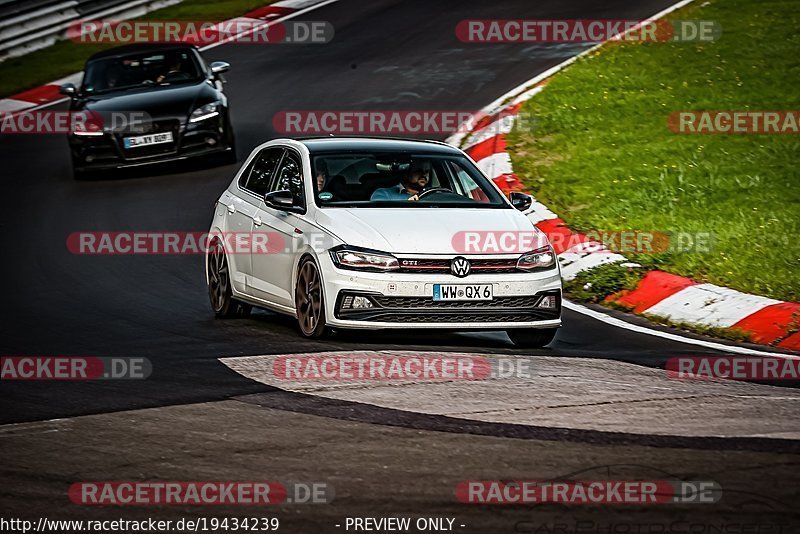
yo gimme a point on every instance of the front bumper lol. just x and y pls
(403, 300)
(189, 140)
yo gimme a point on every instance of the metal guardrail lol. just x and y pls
(28, 25)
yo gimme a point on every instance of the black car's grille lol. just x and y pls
(437, 266)
(527, 301)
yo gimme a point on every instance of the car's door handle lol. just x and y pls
(231, 209)
(257, 220)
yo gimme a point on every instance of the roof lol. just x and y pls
(372, 144)
(125, 50)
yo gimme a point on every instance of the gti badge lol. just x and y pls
(460, 267)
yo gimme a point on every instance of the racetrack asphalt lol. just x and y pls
(386, 55)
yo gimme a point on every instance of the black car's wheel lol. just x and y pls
(309, 300)
(219, 285)
(533, 338)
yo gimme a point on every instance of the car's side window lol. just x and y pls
(258, 177)
(290, 177)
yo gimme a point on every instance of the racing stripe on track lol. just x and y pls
(653, 288)
(772, 322)
(792, 342)
(710, 305)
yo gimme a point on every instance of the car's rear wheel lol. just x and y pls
(309, 300)
(533, 338)
(219, 285)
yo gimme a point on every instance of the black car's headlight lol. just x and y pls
(363, 259)
(205, 112)
(539, 259)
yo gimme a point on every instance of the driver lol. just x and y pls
(411, 185)
(175, 68)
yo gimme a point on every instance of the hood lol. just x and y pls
(159, 101)
(422, 230)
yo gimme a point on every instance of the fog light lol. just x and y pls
(547, 302)
(347, 302)
(361, 302)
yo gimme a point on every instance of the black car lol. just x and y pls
(157, 103)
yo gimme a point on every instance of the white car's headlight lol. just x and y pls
(204, 112)
(539, 259)
(363, 259)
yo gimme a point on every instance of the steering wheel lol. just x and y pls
(434, 190)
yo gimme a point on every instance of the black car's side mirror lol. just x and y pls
(521, 201)
(218, 67)
(68, 89)
(281, 200)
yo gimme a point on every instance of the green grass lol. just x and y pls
(603, 158)
(65, 57)
(596, 284)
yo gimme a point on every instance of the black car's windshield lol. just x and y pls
(143, 69)
(376, 180)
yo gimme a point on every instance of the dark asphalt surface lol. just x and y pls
(386, 55)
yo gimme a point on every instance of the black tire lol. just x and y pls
(219, 285)
(309, 300)
(532, 338)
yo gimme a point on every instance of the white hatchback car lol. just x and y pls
(380, 233)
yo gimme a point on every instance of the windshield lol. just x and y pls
(143, 69)
(401, 180)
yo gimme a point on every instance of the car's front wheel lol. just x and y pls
(533, 338)
(219, 285)
(309, 300)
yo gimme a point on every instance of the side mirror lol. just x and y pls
(218, 67)
(68, 89)
(280, 200)
(521, 201)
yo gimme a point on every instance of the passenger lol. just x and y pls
(321, 175)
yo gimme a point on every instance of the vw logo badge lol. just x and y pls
(460, 267)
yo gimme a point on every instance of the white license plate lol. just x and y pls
(152, 139)
(462, 292)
